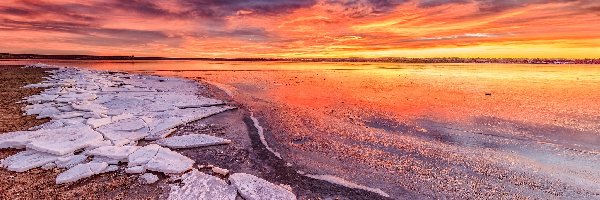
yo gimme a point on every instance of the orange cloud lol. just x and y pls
(303, 28)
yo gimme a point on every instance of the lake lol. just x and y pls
(424, 130)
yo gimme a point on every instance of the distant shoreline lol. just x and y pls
(9, 56)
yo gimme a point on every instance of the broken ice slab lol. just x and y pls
(187, 100)
(44, 112)
(160, 124)
(160, 134)
(64, 140)
(130, 124)
(121, 138)
(80, 171)
(41, 98)
(95, 123)
(168, 161)
(19, 139)
(197, 185)
(148, 178)
(110, 168)
(143, 155)
(89, 107)
(67, 115)
(113, 152)
(70, 161)
(135, 170)
(131, 129)
(158, 159)
(191, 141)
(101, 159)
(253, 188)
(26, 160)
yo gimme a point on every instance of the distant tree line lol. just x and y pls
(387, 60)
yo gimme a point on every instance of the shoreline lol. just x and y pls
(311, 187)
(261, 162)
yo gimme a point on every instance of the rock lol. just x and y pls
(221, 171)
(148, 178)
(197, 185)
(168, 161)
(192, 141)
(26, 160)
(113, 152)
(253, 188)
(70, 161)
(135, 170)
(80, 171)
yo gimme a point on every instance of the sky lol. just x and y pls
(303, 28)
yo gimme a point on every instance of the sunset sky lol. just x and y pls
(303, 28)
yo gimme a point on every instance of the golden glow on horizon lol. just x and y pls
(322, 29)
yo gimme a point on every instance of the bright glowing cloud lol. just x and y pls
(303, 28)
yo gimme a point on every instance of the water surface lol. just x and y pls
(425, 130)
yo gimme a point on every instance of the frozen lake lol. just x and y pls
(419, 130)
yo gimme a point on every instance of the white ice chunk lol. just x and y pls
(197, 185)
(191, 141)
(49, 166)
(70, 161)
(168, 161)
(253, 188)
(41, 98)
(160, 134)
(89, 107)
(130, 124)
(80, 171)
(122, 117)
(148, 178)
(101, 159)
(27, 160)
(19, 139)
(67, 115)
(95, 123)
(114, 152)
(47, 112)
(143, 155)
(110, 168)
(65, 140)
(99, 144)
(135, 170)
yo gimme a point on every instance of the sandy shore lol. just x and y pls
(246, 154)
